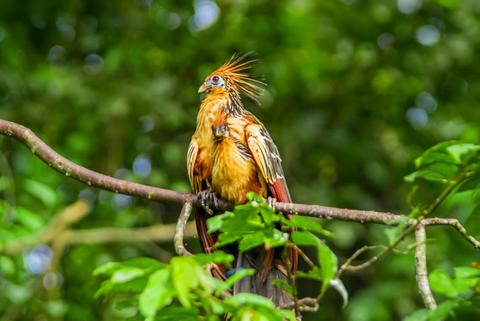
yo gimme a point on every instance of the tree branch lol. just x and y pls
(58, 232)
(180, 230)
(421, 267)
(92, 178)
(87, 176)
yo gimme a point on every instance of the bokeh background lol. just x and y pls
(357, 89)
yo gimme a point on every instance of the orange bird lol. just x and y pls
(231, 154)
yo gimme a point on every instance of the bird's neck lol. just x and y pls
(234, 104)
(215, 104)
(228, 100)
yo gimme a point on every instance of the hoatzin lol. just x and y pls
(230, 154)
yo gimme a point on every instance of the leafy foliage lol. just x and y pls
(184, 288)
(450, 165)
(462, 292)
(355, 93)
(187, 284)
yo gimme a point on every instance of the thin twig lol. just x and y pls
(305, 257)
(455, 224)
(58, 230)
(92, 178)
(180, 229)
(421, 268)
(347, 265)
(375, 258)
(307, 304)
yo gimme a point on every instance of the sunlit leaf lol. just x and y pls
(282, 284)
(250, 241)
(237, 276)
(215, 257)
(306, 223)
(338, 285)
(42, 191)
(126, 273)
(184, 278)
(252, 299)
(157, 294)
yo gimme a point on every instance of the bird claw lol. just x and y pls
(271, 202)
(208, 199)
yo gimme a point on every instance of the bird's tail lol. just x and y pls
(262, 283)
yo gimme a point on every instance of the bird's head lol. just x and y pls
(231, 77)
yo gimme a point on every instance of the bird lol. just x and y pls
(230, 154)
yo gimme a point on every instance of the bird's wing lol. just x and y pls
(196, 182)
(268, 160)
(193, 177)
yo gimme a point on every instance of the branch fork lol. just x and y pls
(95, 179)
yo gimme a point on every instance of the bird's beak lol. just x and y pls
(203, 88)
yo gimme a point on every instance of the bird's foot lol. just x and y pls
(271, 202)
(208, 200)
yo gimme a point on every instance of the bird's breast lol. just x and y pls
(234, 172)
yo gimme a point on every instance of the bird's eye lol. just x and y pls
(217, 80)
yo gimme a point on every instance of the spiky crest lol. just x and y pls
(234, 71)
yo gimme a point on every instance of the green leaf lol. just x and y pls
(304, 238)
(462, 152)
(215, 257)
(338, 285)
(106, 269)
(284, 285)
(326, 258)
(178, 313)
(436, 154)
(314, 274)
(392, 233)
(471, 183)
(306, 223)
(134, 286)
(29, 219)
(441, 282)
(436, 172)
(144, 263)
(251, 299)
(466, 272)
(7, 266)
(444, 310)
(157, 294)
(237, 276)
(184, 278)
(466, 278)
(419, 315)
(269, 216)
(41, 191)
(256, 199)
(126, 273)
(287, 315)
(448, 3)
(215, 223)
(250, 241)
(275, 239)
(328, 263)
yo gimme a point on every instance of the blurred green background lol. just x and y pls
(356, 90)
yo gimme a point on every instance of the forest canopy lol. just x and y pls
(357, 94)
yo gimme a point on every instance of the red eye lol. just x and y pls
(216, 78)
